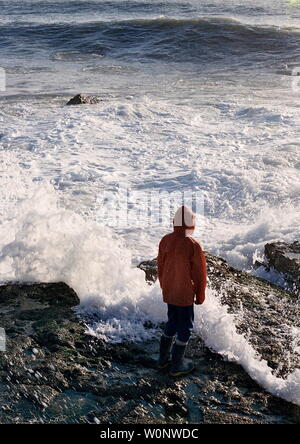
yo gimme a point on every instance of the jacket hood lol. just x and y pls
(184, 220)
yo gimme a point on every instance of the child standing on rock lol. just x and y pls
(182, 277)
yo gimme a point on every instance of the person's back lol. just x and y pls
(182, 276)
(181, 269)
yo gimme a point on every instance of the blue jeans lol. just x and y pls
(180, 322)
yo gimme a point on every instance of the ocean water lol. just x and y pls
(195, 96)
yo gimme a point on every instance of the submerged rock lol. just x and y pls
(53, 372)
(81, 99)
(285, 258)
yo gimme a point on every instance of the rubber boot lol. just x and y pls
(164, 351)
(180, 364)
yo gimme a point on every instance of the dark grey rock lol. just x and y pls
(81, 99)
(285, 258)
(53, 372)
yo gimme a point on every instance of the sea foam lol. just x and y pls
(49, 243)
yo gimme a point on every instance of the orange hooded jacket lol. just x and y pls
(181, 264)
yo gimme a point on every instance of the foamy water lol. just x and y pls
(196, 96)
(49, 243)
(243, 159)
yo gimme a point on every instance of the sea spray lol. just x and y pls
(218, 330)
(49, 243)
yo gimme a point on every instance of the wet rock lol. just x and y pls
(41, 395)
(53, 372)
(150, 269)
(285, 258)
(81, 99)
(37, 296)
(259, 306)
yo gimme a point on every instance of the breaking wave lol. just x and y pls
(46, 242)
(167, 39)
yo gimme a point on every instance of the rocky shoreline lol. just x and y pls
(54, 372)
